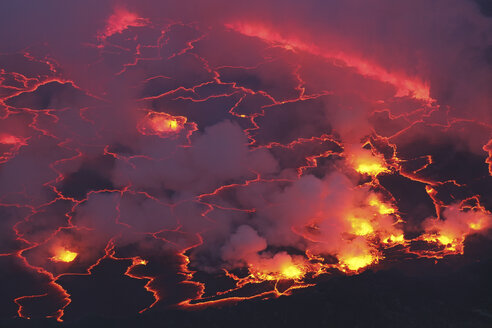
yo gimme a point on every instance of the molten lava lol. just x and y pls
(292, 272)
(360, 227)
(371, 167)
(394, 239)
(355, 263)
(161, 124)
(459, 223)
(356, 257)
(64, 255)
(382, 207)
(287, 271)
(139, 261)
(365, 162)
(278, 187)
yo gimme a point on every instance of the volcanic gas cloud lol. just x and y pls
(199, 155)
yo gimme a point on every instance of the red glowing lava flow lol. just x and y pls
(404, 85)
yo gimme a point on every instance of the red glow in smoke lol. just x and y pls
(121, 20)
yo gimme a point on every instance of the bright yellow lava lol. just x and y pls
(394, 239)
(286, 271)
(139, 261)
(445, 240)
(354, 263)
(452, 244)
(370, 168)
(292, 272)
(163, 124)
(64, 255)
(382, 208)
(479, 225)
(360, 227)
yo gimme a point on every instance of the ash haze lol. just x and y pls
(261, 164)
